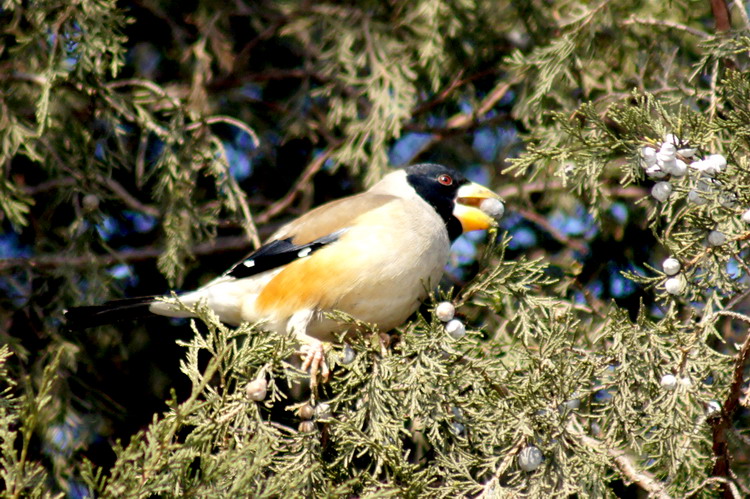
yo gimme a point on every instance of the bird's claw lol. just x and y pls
(313, 358)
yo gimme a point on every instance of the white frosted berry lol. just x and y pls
(572, 404)
(687, 152)
(445, 311)
(348, 355)
(685, 382)
(655, 172)
(323, 411)
(492, 207)
(667, 165)
(649, 156)
(727, 200)
(675, 285)
(746, 217)
(569, 168)
(257, 389)
(702, 166)
(455, 329)
(695, 197)
(713, 408)
(710, 169)
(665, 160)
(718, 161)
(668, 149)
(666, 152)
(530, 458)
(668, 382)
(670, 138)
(671, 266)
(457, 413)
(716, 238)
(679, 169)
(697, 164)
(458, 428)
(661, 191)
(709, 166)
(706, 186)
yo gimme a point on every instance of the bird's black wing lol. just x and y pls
(278, 253)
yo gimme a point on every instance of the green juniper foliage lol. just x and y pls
(148, 145)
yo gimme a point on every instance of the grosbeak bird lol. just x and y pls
(374, 255)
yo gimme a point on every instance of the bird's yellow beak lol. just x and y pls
(467, 209)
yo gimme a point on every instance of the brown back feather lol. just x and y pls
(331, 217)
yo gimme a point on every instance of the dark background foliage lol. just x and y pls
(146, 146)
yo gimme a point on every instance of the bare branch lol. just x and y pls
(127, 198)
(666, 24)
(301, 183)
(721, 14)
(130, 255)
(623, 463)
(740, 7)
(490, 489)
(722, 422)
(552, 231)
(464, 120)
(230, 121)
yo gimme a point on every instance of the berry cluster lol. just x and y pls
(673, 163)
(445, 311)
(677, 166)
(674, 156)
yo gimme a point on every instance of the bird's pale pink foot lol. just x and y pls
(312, 350)
(313, 357)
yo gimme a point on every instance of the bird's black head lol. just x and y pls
(438, 185)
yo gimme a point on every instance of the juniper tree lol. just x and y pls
(602, 336)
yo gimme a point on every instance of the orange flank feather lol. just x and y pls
(304, 284)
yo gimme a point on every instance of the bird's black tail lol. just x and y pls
(108, 313)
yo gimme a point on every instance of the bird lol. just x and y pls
(375, 256)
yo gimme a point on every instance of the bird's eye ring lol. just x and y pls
(445, 179)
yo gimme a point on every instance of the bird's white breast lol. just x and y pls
(398, 264)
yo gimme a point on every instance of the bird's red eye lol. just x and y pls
(445, 179)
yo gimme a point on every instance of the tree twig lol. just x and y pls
(218, 245)
(620, 460)
(464, 120)
(283, 203)
(490, 489)
(220, 118)
(127, 198)
(667, 24)
(722, 422)
(496, 94)
(553, 231)
(740, 7)
(721, 14)
(712, 480)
